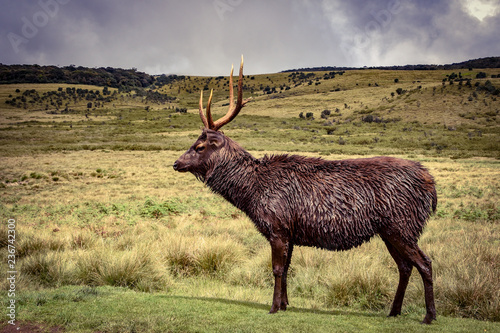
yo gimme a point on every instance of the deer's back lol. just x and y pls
(338, 205)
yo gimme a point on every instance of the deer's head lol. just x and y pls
(199, 158)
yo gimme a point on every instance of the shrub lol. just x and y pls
(481, 75)
(325, 114)
(400, 91)
(367, 119)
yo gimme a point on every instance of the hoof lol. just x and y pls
(428, 319)
(394, 313)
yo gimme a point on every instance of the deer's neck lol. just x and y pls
(234, 179)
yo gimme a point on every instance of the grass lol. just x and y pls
(108, 309)
(103, 221)
(88, 231)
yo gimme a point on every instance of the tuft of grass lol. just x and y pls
(188, 256)
(217, 257)
(467, 283)
(31, 242)
(48, 269)
(356, 279)
(256, 271)
(84, 239)
(135, 269)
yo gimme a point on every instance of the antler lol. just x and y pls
(233, 109)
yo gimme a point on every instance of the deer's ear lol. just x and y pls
(215, 139)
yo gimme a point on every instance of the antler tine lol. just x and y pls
(202, 115)
(207, 121)
(209, 114)
(231, 94)
(233, 109)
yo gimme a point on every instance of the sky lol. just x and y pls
(204, 37)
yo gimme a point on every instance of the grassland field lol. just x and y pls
(110, 239)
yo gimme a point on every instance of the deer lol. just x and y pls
(306, 201)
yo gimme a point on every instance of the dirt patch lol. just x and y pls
(27, 327)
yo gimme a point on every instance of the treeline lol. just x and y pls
(62, 97)
(489, 62)
(123, 79)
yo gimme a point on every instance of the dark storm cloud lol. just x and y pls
(204, 37)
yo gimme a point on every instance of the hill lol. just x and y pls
(488, 62)
(131, 78)
(357, 111)
(123, 79)
(109, 238)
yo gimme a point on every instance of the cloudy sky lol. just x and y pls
(203, 37)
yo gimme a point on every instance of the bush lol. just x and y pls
(481, 75)
(325, 114)
(400, 91)
(367, 119)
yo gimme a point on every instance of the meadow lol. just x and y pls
(110, 239)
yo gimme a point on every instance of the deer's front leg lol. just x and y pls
(284, 294)
(279, 250)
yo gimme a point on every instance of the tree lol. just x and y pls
(481, 75)
(325, 114)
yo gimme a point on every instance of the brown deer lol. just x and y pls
(333, 205)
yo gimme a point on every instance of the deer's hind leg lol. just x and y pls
(404, 267)
(405, 253)
(284, 293)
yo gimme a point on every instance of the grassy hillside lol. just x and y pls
(103, 222)
(355, 112)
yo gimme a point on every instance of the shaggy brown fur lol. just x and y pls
(334, 205)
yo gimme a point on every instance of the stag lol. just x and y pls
(334, 205)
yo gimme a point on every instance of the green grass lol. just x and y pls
(108, 309)
(105, 225)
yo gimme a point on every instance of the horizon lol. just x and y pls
(309, 68)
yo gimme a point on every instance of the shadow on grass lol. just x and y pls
(265, 308)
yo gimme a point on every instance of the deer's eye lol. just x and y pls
(199, 148)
